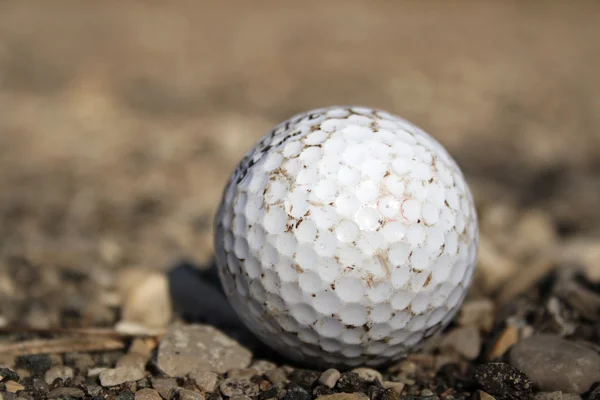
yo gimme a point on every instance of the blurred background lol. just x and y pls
(121, 122)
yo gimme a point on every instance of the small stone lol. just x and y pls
(8, 374)
(13, 387)
(477, 313)
(341, 396)
(241, 373)
(148, 301)
(548, 396)
(397, 386)
(234, 386)
(297, 393)
(81, 361)
(119, 375)
(93, 372)
(503, 381)
(304, 378)
(187, 348)
(36, 364)
(125, 396)
(185, 394)
(508, 337)
(143, 346)
(23, 373)
(375, 391)
(276, 375)
(93, 390)
(277, 391)
(58, 372)
(495, 266)
(329, 377)
(164, 386)
(427, 393)
(368, 374)
(205, 380)
(320, 390)
(407, 367)
(573, 396)
(555, 364)
(349, 382)
(40, 385)
(133, 360)
(390, 394)
(62, 392)
(240, 397)
(466, 341)
(261, 366)
(481, 395)
(147, 394)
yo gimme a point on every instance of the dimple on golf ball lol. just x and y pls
(346, 236)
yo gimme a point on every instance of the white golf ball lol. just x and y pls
(346, 237)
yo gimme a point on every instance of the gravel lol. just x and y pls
(116, 146)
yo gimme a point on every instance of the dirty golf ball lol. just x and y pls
(346, 236)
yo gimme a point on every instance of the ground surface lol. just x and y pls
(120, 123)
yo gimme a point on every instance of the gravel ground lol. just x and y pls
(120, 123)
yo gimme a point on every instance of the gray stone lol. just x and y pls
(58, 372)
(556, 364)
(235, 386)
(205, 380)
(329, 377)
(119, 375)
(65, 392)
(147, 394)
(188, 348)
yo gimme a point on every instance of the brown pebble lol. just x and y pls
(276, 376)
(205, 380)
(147, 394)
(329, 377)
(465, 340)
(241, 373)
(62, 392)
(264, 385)
(478, 313)
(13, 387)
(508, 337)
(398, 387)
(262, 366)
(368, 374)
(481, 395)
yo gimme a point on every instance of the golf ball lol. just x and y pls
(346, 236)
